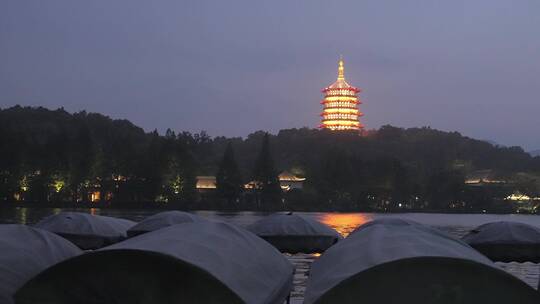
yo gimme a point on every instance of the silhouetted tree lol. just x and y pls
(444, 187)
(228, 179)
(266, 182)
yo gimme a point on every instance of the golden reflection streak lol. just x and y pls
(22, 215)
(345, 223)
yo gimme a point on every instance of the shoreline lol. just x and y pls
(182, 207)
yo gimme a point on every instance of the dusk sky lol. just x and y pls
(234, 67)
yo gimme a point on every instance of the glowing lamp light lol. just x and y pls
(177, 184)
(58, 185)
(95, 196)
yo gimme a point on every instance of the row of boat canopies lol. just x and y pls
(174, 257)
(399, 261)
(197, 261)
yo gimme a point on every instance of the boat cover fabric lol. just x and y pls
(86, 230)
(290, 224)
(295, 233)
(396, 221)
(506, 241)
(250, 267)
(400, 222)
(25, 252)
(503, 233)
(381, 242)
(244, 265)
(162, 220)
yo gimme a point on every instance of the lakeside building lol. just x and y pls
(205, 183)
(523, 202)
(287, 181)
(483, 177)
(519, 197)
(340, 104)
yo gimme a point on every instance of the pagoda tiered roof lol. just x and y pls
(341, 104)
(341, 84)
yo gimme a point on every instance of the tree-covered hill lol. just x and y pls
(50, 155)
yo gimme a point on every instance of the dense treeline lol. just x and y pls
(55, 156)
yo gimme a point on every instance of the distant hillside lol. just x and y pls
(33, 135)
(64, 156)
(535, 152)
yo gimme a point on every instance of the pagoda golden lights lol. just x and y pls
(341, 104)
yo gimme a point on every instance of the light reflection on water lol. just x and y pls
(94, 211)
(22, 215)
(344, 223)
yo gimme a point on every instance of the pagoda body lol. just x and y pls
(341, 104)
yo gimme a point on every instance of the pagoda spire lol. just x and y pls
(341, 68)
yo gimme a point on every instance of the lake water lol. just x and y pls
(344, 223)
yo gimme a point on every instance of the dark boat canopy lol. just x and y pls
(86, 230)
(503, 233)
(162, 220)
(25, 252)
(396, 261)
(399, 222)
(506, 241)
(198, 262)
(295, 233)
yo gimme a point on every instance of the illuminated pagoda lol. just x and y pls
(341, 104)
